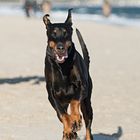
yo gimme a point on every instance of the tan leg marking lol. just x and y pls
(75, 115)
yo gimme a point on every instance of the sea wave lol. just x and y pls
(61, 15)
(112, 19)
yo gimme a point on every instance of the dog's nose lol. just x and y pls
(60, 46)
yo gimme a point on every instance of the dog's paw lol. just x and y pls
(76, 126)
(77, 123)
(69, 136)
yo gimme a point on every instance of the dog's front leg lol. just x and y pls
(75, 115)
(64, 117)
(68, 133)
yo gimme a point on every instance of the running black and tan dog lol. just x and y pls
(67, 78)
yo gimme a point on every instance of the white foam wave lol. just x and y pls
(61, 15)
(9, 11)
(113, 19)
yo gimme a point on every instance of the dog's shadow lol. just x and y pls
(17, 80)
(114, 136)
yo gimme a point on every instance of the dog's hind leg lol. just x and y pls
(88, 116)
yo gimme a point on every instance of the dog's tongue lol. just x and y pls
(61, 58)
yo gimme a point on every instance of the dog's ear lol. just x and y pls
(69, 17)
(46, 20)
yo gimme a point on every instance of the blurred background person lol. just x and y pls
(31, 7)
(106, 8)
(46, 6)
(28, 7)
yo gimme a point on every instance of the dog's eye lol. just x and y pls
(54, 33)
(64, 32)
(68, 43)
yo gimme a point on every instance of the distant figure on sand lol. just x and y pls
(27, 7)
(46, 6)
(31, 7)
(106, 8)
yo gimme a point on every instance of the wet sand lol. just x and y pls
(25, 112)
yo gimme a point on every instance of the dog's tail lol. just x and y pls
(84, 48)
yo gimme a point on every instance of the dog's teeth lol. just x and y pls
(60, 59)
(66, 56)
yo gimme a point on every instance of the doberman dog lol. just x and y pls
(67, 78)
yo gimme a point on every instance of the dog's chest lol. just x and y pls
(65, 93)
(63, 81)
(63, 87)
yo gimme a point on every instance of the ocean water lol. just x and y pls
(113, 19)
(122, 16)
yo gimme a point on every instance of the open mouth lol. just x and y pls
(61, 56)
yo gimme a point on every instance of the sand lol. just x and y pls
(25, 112)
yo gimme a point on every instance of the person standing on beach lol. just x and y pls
(46, 6)
(106, 8)
(27, 7)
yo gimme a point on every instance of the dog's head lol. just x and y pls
(59, 37)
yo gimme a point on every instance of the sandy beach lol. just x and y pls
(25, 112)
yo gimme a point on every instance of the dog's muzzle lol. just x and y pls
(61, 52)
(60, 46)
